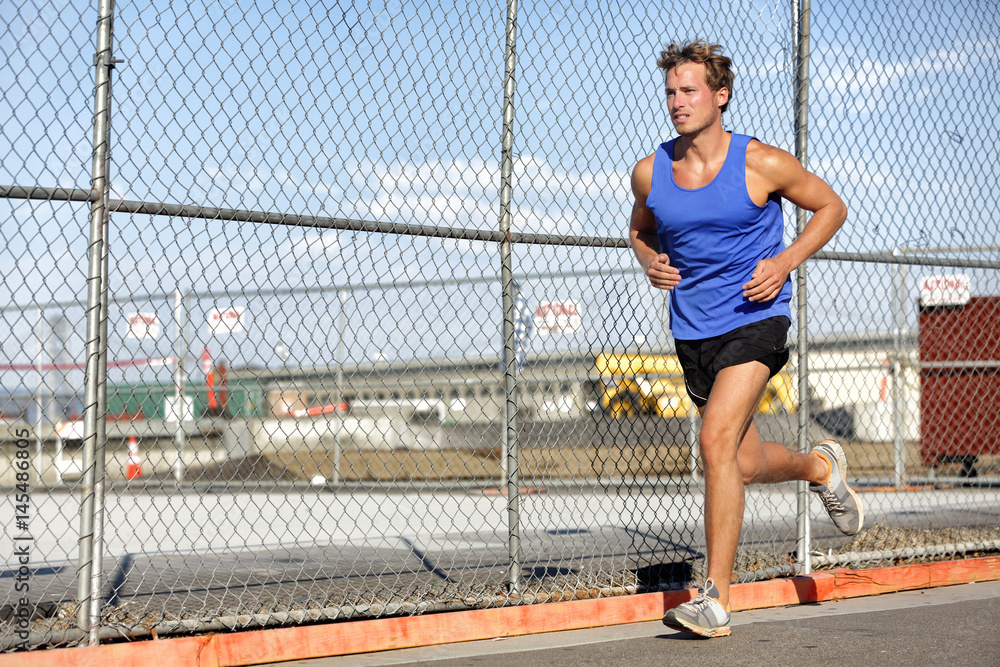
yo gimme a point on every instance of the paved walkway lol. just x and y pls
(952, 626)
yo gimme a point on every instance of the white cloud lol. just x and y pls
(310, 246)
(855, 75)
(465, 194)
(318, 243)
(448, 193)
(251, 180)
(531, 221)
(868, 173)
(771, 68)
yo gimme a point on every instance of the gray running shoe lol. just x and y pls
(703, 615)
(841, 502)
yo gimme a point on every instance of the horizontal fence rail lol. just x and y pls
(316, 222)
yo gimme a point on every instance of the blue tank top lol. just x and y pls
(715, 235)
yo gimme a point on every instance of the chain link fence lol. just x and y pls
(322, 312)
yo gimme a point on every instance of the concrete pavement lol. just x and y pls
(954, 626)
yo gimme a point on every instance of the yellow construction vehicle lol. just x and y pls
(654, 384)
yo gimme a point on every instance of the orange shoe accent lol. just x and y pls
(829, 464)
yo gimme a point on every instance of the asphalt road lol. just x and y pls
(954, 626)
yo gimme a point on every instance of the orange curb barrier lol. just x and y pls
(351, 637)
(906, 488)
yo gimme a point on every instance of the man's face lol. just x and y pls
(693, 106)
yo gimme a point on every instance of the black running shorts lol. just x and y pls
(765, 341)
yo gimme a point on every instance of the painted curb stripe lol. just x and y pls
(365, 636)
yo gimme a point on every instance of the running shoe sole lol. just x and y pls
(679, 624)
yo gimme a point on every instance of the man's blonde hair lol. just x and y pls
(718, 68)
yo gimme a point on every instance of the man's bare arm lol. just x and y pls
(642, 232)
(784, 176)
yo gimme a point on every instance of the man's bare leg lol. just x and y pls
(733, 455)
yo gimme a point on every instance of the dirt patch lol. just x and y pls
(486, 464)
(249, 469)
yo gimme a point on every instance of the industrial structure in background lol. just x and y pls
(566, 400)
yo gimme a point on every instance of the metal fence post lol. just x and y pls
(341, 328)
(899, 319)
(89, 568)
(800, 27)
(180, 351)
(100, 458)
(39, 416)
(507, 283)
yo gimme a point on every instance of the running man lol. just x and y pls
(707, 226)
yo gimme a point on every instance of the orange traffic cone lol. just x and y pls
(134, 468)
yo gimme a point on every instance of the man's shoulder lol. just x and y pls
(642, 174)
(761, 150)
(766, 158)
(646, 163)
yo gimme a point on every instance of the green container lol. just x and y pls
(246, 399)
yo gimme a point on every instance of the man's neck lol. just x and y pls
(708, 145)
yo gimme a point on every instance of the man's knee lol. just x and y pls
(718, 447)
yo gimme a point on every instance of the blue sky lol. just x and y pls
(391, 111)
